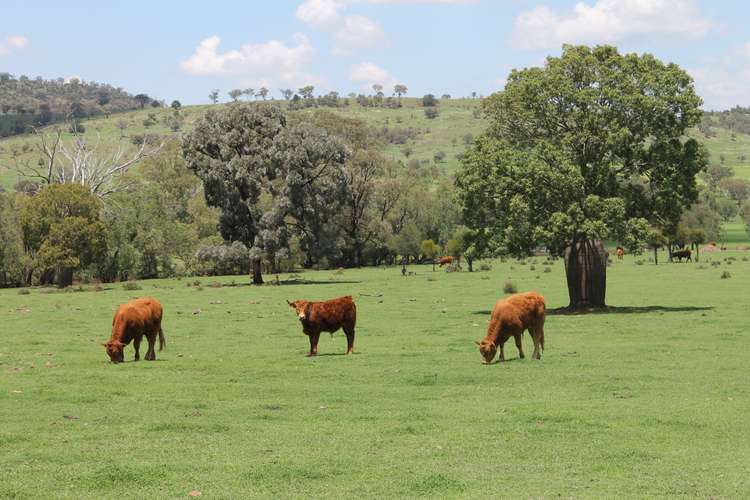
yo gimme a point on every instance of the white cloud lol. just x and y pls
(368, 74)
(353, 32)
(724, 82)
(319, 12)
(269, 62)
(12, 43)
(608, 21)
(358, 32)
(17, 41)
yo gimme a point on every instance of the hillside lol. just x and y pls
(407, 129)
(26, 102)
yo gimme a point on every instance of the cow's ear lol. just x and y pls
(291, 304)
(477, 342)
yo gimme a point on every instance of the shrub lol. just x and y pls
(485, 267)
(131, 286)
(431, 113)
(23, 291)
(532, 267)
(548, 269)
(638, 262)
(725, 275)
(453, 268)
(510, 287)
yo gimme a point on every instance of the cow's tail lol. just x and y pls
(162, 342)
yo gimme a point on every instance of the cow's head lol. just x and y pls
(487, 349)
(115, 351)
(300, 307)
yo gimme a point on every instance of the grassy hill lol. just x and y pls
(459, 120)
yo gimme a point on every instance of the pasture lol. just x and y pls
(648, 400)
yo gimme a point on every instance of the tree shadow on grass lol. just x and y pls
(564, 311)
(321, 282)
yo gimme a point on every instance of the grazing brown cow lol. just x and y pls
(620, 252)
(510, 317)
(327, 316)
(683, 254)
(443, 261)
(132, 321)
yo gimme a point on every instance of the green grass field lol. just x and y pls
(650, 400)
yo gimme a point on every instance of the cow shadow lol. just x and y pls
(564, 311)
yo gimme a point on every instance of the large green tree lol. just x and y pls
(588, 147)
(63, 230)
(270, 179)
(11, 241)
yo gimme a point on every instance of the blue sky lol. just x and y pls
(181, 50)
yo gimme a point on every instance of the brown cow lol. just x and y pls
(447, 260)
(132, 321)
(510, 317)
(683, 254)
(620, 252)
(327, 316)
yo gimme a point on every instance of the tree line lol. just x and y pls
(250, 189)
(32, 102)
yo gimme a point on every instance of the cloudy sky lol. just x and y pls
(184, 49)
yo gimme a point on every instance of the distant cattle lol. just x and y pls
(683, 254)
(447, 260)
(132, 321)
(327, 316)
(620, 252)
(510, 318)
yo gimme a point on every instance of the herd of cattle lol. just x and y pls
(510, 318)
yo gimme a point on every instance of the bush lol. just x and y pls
(453, 268)
(548, 269)
(532, 267)
(439, 156)
(431, 113)
(485, 267)
(24, 291)
(725, 275)
(131, 286)
(510, 287)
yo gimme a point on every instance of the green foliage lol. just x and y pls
(431, 113)
(430, 101)
(429, 249)
(12, 258)
(590, 146)
(510, 287)
(62, 227)
(259, 170)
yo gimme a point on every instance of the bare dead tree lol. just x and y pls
(97, 166)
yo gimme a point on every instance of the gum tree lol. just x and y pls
(270, 180)
(589, 147)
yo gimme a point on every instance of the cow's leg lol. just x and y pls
(519, 345)
(349, 331)
(314, 344)
(136, 346)
(502, 350)
(151, 354)
(536, 336)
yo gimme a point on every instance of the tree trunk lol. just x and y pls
(586, 271)
(64, 277)
(656, 256)
(257, 272)
(470, 262)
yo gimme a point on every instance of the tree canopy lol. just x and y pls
(588, 147)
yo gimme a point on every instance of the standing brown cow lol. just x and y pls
(510, 317)
(620, 252)
(447, 260)
(326, 316)
(132, 321)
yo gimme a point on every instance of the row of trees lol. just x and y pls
(312, 190)
(27, 102)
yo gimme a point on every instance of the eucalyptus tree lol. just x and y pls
(270, 179)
